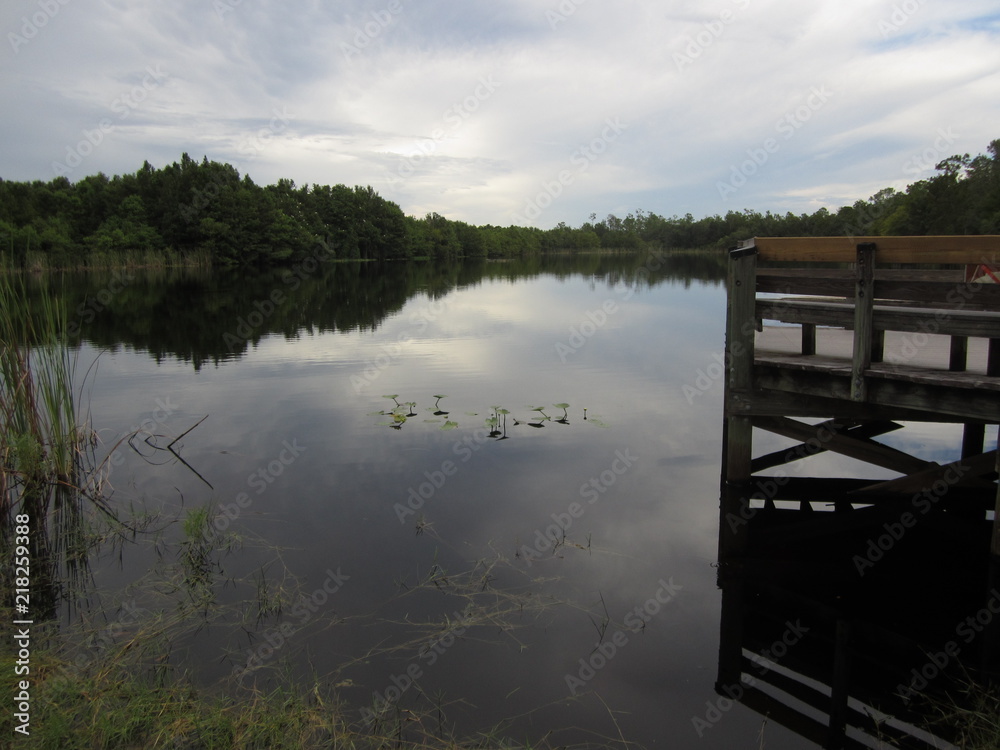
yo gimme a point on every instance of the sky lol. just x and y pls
(528, 112)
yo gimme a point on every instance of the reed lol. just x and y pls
(45, 447)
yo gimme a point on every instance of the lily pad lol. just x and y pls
(450, 425)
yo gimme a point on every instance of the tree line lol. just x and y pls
(206, 212)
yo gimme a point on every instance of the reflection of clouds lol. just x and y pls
(491, 344)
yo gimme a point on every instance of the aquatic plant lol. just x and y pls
(46, 447)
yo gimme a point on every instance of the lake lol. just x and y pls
(486, 488)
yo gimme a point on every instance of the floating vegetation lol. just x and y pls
(496, 423)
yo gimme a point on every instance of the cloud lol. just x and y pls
(471, 110)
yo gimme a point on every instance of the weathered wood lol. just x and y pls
(941, 403)
(995, 543)
(808, 338)
(959, 356)
(862, 449)
(952, 249)
(902, 350)
(741, 322)
(840, 684)
(926, 321)
(860, 492)
(804, 450)
(775, 403)
(973, 440)
(864, 309)
(966, 470)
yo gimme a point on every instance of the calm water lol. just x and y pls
(536, 542)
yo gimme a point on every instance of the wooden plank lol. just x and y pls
(840, 684)
(741, 321)
(910, 374)
(804, 450)
(830, 490)
(901, 349)
(995, 539)
(808, 339)
(973, 440)
(780, 403)
(794, 276)
(967, 469)
(955, 295)
(959, 355)
(926, 321)
(938, 403)
(864, 309)
(950, 249)
(862, 449)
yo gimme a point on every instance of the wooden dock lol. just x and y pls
(832, 343)
(901, 335)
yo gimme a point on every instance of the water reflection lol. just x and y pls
(850, 660)
(202, 316)
(504, 570)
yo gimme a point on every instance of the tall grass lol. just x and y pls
(44, 445)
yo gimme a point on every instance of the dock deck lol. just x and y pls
(834, 342)
(864, 334)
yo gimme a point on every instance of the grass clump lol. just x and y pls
(45, 446)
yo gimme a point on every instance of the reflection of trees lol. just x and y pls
(203, 316)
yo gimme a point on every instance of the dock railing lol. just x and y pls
(869, 300)
(881, 306)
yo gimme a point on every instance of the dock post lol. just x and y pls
(741, 327)
(863, 318)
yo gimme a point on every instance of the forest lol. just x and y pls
(205, 213)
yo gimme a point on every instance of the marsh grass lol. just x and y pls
(115, 683)
(46, 447)
(969, 715)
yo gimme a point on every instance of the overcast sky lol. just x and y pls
(509, 111)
